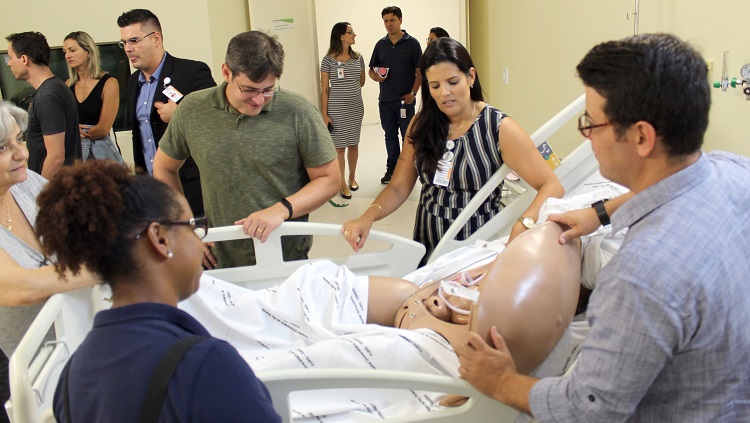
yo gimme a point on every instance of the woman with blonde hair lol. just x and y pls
(342, 75)
(97, 94)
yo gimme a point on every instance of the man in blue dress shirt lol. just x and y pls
(669, 338)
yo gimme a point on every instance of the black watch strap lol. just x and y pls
(288, 206)
(601, 212)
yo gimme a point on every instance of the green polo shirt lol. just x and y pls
(248, 163)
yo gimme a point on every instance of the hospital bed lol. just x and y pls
(35, 366)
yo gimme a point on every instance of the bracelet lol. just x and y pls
(601, 212)
(288, 206)
(379, 208)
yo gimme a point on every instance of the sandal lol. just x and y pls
(354, 186)
(344, 195)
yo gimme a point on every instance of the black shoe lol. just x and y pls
(387, 177)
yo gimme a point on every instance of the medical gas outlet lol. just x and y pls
(744, 83)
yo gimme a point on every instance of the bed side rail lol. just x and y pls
(479, 408)
(401, 256)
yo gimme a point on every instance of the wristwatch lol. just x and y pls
(413, 93)
(527, 222)
(601, 211)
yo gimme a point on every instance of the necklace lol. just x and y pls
(473, 110)
(8, 221)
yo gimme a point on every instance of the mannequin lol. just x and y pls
(529, 292)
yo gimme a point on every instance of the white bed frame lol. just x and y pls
(33, 377)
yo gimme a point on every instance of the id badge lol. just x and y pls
(445, 167)
(403, 110)
(443, 173)
(172, 93)
(340, 73)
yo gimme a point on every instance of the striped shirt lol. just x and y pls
(476, 158)
(345, 106)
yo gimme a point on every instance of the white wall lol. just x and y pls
(418, 17)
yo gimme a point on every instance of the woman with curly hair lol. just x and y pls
(141, 238)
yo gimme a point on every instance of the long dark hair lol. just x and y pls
(90, 214)
(430, 128)
(336, 47)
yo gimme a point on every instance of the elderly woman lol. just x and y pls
(140, 237)
(454, 145)
(25, 278)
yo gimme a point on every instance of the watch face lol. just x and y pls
(527, 222)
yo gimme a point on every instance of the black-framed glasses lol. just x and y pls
(199, 225)
(585, 126)
(133, 41)
(252, 92)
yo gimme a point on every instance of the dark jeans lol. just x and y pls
(392, 123)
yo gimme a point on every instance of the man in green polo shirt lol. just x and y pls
(263, 153)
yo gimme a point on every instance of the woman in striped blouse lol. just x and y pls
(454, 145)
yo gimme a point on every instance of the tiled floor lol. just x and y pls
(370, 168)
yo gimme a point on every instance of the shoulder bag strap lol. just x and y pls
(66, 400)
(157, 389)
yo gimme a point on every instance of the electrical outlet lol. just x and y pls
(710, 67)
(506, 78)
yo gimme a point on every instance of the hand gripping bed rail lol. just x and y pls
(398, 259)
(573, 170)
(479, 408)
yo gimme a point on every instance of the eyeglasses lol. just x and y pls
(252, 92)
(585, 126)
(133, 41)
(200, 226)
(350, 32)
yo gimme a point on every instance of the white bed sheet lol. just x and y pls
(316, 320)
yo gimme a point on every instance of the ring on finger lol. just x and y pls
(259, 230)
(346, 233)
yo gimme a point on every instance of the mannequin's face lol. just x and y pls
(436, 306)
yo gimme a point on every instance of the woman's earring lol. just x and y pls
(170, 254)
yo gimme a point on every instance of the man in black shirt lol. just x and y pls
(395, 65)
(53, 139)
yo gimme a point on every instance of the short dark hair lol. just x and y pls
(439, 32)
(91, 212)
(392, 9)
(657, 78)
(32, 44)
(256, 55)
(430, 129)
(142, 16)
